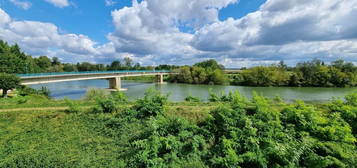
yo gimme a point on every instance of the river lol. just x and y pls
(178, 92)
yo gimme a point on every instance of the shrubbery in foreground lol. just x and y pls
(238, 133)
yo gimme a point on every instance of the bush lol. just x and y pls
(151, 105)
(73, 107)
(119, 97)
(108, 105)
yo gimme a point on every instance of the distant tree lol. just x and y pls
(8, 82)
(43, 62)
(69, 68)
(115, 65)
(213, 64)
(55, 61)
(128, 62)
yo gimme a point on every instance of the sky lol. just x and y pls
(237, 33)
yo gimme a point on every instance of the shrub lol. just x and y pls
(151, 105)
(108, 105)
(73, 107)
(119, 97)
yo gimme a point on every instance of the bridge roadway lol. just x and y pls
(113, 77)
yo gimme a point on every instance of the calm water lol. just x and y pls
(178, 92)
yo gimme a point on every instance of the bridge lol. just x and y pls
(113, 77)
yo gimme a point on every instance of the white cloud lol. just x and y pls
(43, 38)
(59, 3)
(22, 4)
(110, 2)
(152, 32)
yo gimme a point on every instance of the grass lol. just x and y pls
(33, 135)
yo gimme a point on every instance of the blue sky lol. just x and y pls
(94, 19)
(235, 32)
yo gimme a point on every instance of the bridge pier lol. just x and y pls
(160, 79)
(115, 84)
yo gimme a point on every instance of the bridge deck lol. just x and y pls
(56, 74)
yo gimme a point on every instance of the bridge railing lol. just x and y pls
(91, 72)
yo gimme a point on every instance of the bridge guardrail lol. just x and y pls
(90, 72)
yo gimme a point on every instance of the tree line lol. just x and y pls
(313, 73)
(13, 60)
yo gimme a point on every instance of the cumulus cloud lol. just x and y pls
(59, 3)
(184, 31)
(44, 38)
(305, 28)
(22, 4)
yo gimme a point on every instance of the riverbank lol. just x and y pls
(110, 131)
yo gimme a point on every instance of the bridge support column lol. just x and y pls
(115, 84)
(160, 79)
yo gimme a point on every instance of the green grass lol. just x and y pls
(53, 138)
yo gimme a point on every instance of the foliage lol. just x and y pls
(206, 72)
(151, 105)
(73, 107)
(237, 132)
(108, 105)
(119, 97)
(311, 73)
(8, 82)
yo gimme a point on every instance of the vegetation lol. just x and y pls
(13, 60)
(311, 73)
(8, 82)
(206, 72)
(231, 131)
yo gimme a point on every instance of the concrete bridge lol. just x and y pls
(113, 77)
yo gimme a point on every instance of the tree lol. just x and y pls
(7, 82)
(128, 62)
(43, 62)
(213, 64)
(56, 61)
(115, 65)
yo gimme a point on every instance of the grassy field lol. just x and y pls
(40, 133)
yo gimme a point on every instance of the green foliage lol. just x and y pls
(108, 105)
(119, 97)
(7, 82)
(151, 105)
(73, 107)
(167, 142)
(237, 132)
(312, 73)
(206, 72)
(347, 110)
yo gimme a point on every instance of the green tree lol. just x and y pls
(8, 82)
(43, 62)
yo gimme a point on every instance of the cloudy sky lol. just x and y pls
(236, 33)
